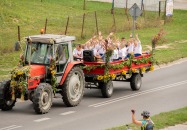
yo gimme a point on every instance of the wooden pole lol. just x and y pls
(114, 22)
(126, 6)
(165, 7)
(159, 8)
(19, 37)
(112, 10)
(96, 23)
(165, 12)
(144, 11)
(45, 30)
(84, 5)
(126, 10)
(142, 5)
(67, 24)
(82, 25)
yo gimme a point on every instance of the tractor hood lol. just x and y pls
(37, 71)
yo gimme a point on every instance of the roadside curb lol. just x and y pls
(179, 61)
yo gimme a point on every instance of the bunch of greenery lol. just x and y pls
(19, 77)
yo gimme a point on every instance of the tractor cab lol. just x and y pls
(41, 49)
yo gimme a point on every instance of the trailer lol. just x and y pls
(101, 74)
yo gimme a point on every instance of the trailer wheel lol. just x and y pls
(6, 102)
(42, 99)
(106, 89)
(136, 81)
(73, 88)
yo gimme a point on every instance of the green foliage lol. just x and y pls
(122, 64)
(19, 76)
(52, 70)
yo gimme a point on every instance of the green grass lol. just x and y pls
(31, 15)
(163, 120)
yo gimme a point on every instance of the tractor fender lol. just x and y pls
(68, 69)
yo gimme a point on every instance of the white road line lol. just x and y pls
(42, 119)
(10, 127)
(138, 94)
(7, 127)
(67, 113)
(14, 128)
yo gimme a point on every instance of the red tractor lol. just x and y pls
(47, 68)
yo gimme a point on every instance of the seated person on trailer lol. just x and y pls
(137, 47)
(78, 53)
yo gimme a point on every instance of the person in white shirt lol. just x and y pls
(124, 52)
(120, 53)
(78, 52)
(137, 47)
(102, 50)
(96, 52)
(122, 49)
(115, 55)
(130, 48)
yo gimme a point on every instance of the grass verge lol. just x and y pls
(31, 15)
(162, 120)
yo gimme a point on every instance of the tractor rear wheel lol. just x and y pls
(6, 102)
(106, 89)
(42, 99)
(136, 81)
(73, 88)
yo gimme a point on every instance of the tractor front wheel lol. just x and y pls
(6, 102)
(73, 88)
(42, 99)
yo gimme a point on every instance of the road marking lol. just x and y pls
(42, 119)
(67, 113)
(10, 127)
(14, 128)
(138, 94)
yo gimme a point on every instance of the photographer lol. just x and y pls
(146, 123)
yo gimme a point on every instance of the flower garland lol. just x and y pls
(53, 77)
(106, 78)
(143, 70)
(19, 77)
(152, 68)
(124, 72)
(127, 63)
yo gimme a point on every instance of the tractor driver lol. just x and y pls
(60, 54)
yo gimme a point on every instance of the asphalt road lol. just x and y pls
(163, 90)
